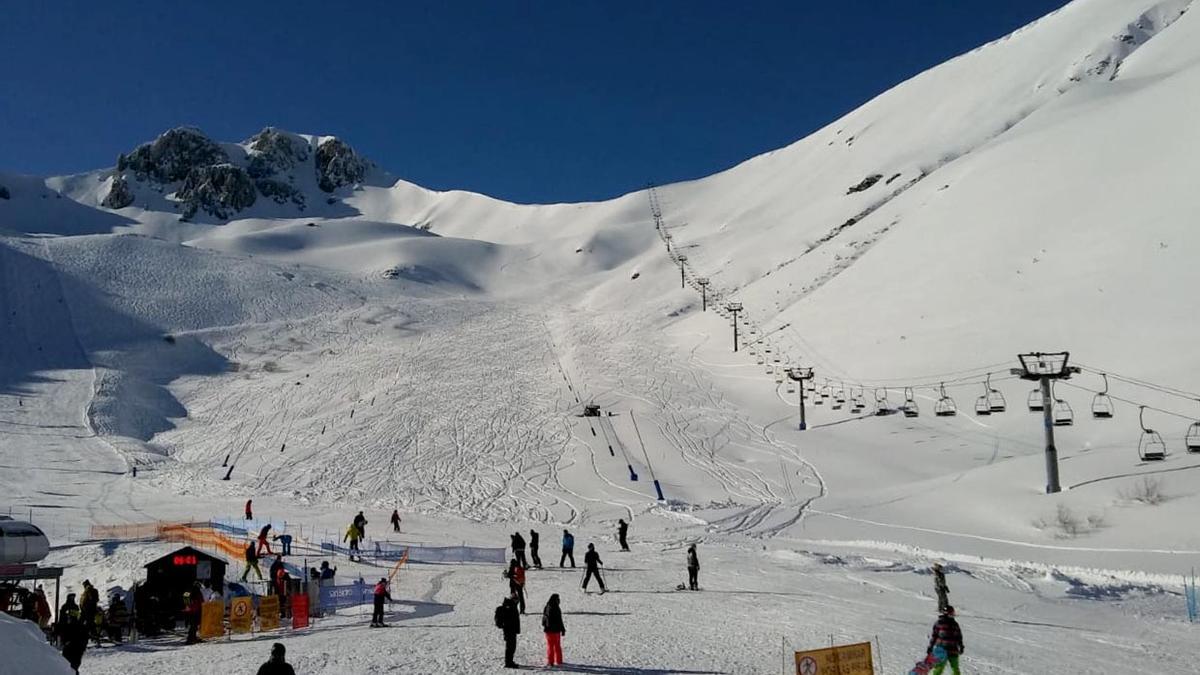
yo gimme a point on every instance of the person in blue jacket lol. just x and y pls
(568, 548)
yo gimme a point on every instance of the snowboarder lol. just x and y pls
(940, 587)
(518, 548)
(947, 636)
(508, 620)
(516, 583)
(285, 540)
(552, 625)
(352, 535)
(381, 594)
(249, 509)
(693, 567)
(262, 540)
(276, 665)
(252, 562)
(533, 549)
(622, 531)
(360, 521)
(568, 549)
(395, 520)
(592, 561)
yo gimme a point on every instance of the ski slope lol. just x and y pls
(395, 347)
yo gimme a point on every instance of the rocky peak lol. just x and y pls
(338, 165)
(273, 151)
(172, 155)
(119, 195)
(220, 190)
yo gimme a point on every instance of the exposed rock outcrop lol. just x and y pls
(221, 191)
(171, 156)
(274, 152)
(279, 191)
(338, 165)
(119, 194)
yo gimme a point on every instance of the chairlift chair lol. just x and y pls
(1034, 401)
(826, 391)
(791, 388)
(881, 402)
(995, 398)
(859, 403)
(1062, 413)
(840, 394)
(1150, 446)
(945, 406)
(983, 406)
(910, 407)
(1192, 439)
(1102, 405)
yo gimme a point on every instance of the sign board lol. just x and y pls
(203, 569)
(347, 595)
(212, 619)
(241, 615)
(268, 612)
(841, 660)
(300, 611)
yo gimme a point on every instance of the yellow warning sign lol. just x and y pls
(268, 612)
(212, 619)
(841, 660)
(241, 615)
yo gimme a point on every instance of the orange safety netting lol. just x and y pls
(197, 534)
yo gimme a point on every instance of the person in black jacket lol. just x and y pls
(518, 549)
(552, 625)
(508, 619)
(276, 665)
(592, 561)
(533, 549)
(622, 532)
(693, 565)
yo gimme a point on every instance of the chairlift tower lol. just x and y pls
(667, 238)
(682, 270)
(1044, 368)
(703, 282)
(733, 308)
(801, 375)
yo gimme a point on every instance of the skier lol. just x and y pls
(508, 619)
(940, 587)
(285, 540)
(117, 619)
(89, 607)
(249, 510)
(381, 594)
(327, 572)
(276, 665)
(360, 521)
(533, 549)
(947, 636)
(395, 520)
(568, 549)
(552, 625)
(72, 633)
(592, 561)
(516, 583)
(693, 565)
(518, 548)
(262, 540)
(622, 531)
(352, 535)
(252, 562)
(192, 604)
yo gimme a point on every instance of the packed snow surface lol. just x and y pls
(388, 347)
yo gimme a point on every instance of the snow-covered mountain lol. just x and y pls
(285, 313)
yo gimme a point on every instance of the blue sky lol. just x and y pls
(527, 101)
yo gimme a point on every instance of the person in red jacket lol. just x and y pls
(948, 636)
(381, 594)
(193, 603)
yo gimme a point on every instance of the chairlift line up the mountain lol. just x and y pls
(1192, 439)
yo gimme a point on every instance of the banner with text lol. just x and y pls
(840, 660)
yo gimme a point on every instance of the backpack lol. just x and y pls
(500, 616)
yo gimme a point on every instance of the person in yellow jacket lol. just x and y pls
(353, 534)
